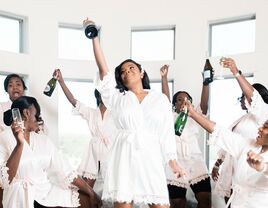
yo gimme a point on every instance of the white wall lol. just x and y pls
(116, 18)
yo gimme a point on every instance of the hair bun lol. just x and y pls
(8, 119)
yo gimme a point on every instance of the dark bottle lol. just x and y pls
(50, 86)
(181, 121)
(208, 73)
(91, 30)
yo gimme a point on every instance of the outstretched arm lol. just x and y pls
(245, 86)
(199, 118)
(57, 74)
(204, 99)
(99, 56)
(164, 80)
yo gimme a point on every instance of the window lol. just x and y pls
(156, 85)
(73, 129)
(224, 106)
(153, 44)
(11, 34)
(232, 36)
(73, 44)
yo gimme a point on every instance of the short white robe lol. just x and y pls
(103, 132)
(145, 141)
(31, 181)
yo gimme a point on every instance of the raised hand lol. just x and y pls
(256, 161)
(229, 63)
(164, 70)
(18, 132)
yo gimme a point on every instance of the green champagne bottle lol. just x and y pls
(50, 87)
(181, 121)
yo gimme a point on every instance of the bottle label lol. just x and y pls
(47, 89)
(206, 74)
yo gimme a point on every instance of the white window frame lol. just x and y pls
(22, 29)
(227, 21)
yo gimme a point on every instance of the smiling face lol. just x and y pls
(130, 74)
(262, 138)
(15, 88)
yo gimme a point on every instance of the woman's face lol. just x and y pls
(130, 74)
(15, 88)
(262, 138)
(179, 100)
(31, 122)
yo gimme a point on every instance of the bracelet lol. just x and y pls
(237, 74)
(216, 167)
(264, 168)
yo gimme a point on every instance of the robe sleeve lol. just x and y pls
(83, 110)
(167, 133)
(258, 108)
(228, 141)
(61, 167)
(107, 89)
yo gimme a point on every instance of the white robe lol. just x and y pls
(190, 156)
(250, 188)
(103, 132)
(31, 181)
(247, 126)
(145, 141)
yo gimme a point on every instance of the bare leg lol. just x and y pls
(158, 206)
(178, 203)
(123, 205)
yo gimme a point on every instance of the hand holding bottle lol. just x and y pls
(90, 28)
(189, 106)
(229, 63)
(58, 75)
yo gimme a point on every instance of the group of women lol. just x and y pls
(133, 145)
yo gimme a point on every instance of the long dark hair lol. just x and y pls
(98, 97)
(23, 102)
(119, 83)
(262, 91)
(176, 94)
(9, 77)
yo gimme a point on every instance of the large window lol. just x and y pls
(224, 106)
(232, 36)
(73, 129)
(73, 44)
(11, 34)
(153, 44)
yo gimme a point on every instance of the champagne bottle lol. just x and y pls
(50, 86)
(181, 121)
(208, 73)
(91, 30)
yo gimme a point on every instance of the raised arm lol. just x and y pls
(204, 99)
(199, 118)
(57, 74)
(164, 80)
(14, 159)
(245, 86)
(99, 56)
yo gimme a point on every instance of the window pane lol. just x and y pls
(233, 38)
(153, 45)
(73, 130)
(10, 34)
(73, 44)
(156, 85)
(224, 107)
